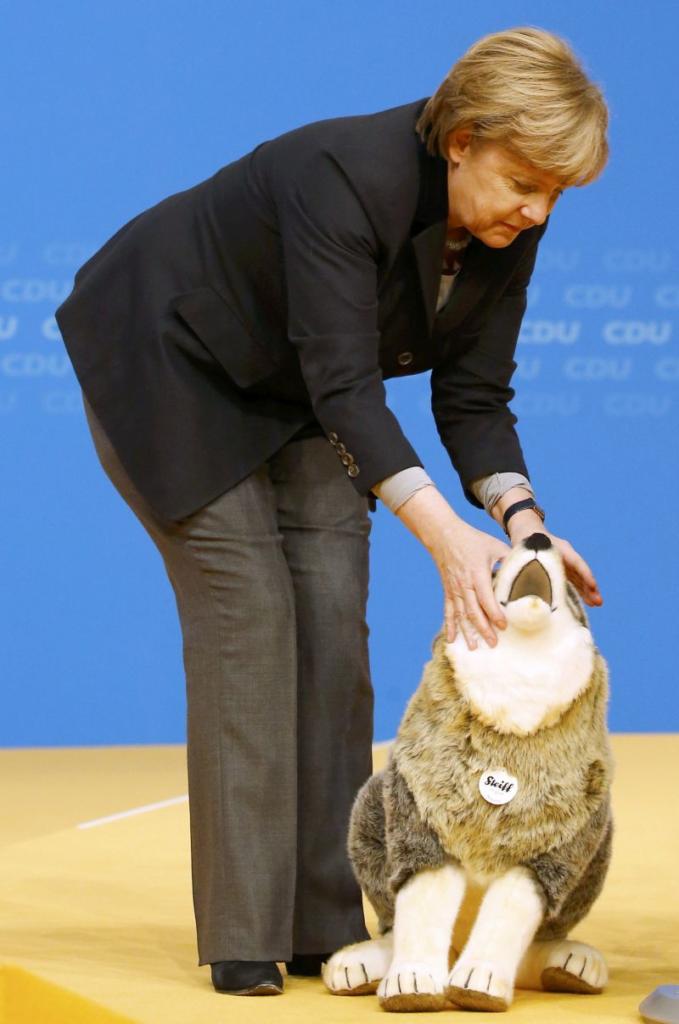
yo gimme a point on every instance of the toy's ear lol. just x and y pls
(575, 604)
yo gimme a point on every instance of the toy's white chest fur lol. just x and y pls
(528, 679)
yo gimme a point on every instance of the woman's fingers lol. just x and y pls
(468, 588)
(488, 601)
(466, 625)
(591, 595)
(476, 616)
(449, 619)
(456, 617)
(469, 616)
(580, 574)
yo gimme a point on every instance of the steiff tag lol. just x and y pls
(498, 787)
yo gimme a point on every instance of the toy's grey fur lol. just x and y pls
(424, 809)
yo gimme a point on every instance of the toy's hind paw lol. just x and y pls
(479, 985)
(356, 970)
(574, 967)
(411, 986)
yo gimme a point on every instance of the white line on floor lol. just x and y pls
(134, 810)
(162, 803)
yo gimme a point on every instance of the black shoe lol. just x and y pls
(307, 965)
(247, 977)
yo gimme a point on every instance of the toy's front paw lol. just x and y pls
(574, 967)
(412, 986)
(479, 985)
(356, 970)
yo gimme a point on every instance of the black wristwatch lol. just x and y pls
(520, 506)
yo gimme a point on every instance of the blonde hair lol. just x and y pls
(525, 89)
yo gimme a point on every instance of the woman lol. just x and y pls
(232, 343)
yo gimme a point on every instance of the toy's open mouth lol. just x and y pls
(533, 579)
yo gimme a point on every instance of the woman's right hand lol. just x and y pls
(465, 558)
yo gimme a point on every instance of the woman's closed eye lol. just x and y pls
(526, 187)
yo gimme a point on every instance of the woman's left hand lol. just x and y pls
(577, 570)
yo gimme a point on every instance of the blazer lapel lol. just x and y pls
(428, 229)
(428, 245)
(470, 284)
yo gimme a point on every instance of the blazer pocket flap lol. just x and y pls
(214, 323)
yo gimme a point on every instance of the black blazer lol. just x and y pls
(279, 294)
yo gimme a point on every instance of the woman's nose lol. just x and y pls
(536, 209)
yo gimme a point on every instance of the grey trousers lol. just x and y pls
(271, 584)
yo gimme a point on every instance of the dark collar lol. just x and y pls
(428, 229)
(432, 200)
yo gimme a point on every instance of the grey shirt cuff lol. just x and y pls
(395, 490)
(489, 489)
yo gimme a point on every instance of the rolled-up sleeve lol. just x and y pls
(471, 392)
(330, 252)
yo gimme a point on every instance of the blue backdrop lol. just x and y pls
(110, 107)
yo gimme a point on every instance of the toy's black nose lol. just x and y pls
(537, 542)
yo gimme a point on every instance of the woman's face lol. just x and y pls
(493, 193)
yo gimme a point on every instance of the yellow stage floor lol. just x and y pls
(96, 923)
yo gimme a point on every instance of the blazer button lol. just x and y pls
(404, 358)
(332, 437)
(341, 448)
(347, 459)
(353, 469)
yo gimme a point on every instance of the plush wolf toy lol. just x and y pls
(499, 776)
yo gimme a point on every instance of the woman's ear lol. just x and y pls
(458, 143)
